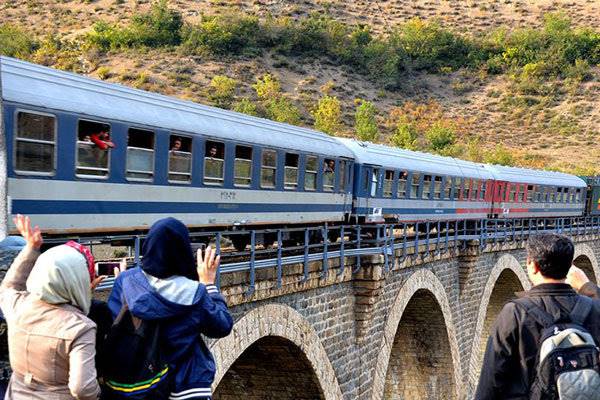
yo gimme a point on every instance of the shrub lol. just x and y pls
(500, 155)
(14, 42)
(405, 136)
(365, 123)
(246, 106)
(104, 73)
(440, 138)
(281, 109)
(222, 90)
(267, 87)
(328, 114)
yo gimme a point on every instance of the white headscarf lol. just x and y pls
(60, 276)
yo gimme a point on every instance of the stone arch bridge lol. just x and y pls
(415, 330)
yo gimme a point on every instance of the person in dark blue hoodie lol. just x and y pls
(168, 287)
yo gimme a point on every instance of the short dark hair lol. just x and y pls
(553, 253)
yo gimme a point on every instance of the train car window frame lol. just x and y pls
(388, 183)
(271, 169)
(374, 182)
(447, 188)
(483, 190)
(149, 173)
(427, 187)
(309, 174)
(466, 192)
(342, 165)
(415, 184)
(521, 193)
(474, 195)
(552, 194)
(52, 143)
(401, 187)
(578, 196)
(437, 187)
(240, 164)
(214, 158)
(291, 185)
(530, 193)
(173, 153)
(512, 194)
(329, 174)
(107, 152)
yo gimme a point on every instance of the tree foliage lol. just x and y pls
(328, 115)
(365, 123)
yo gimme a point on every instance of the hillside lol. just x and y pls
(473, 98)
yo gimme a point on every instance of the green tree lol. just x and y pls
(281, 109)
(440, 138)
(365, 123)
(246, 106)
(405, 136)
(328, 115)
(500, 155)
(222, 90)
(15, 42)
(267, 87)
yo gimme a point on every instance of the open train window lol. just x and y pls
(180, 159)
(414, 185)
(329, 175)
(512, 193)
(521, 193)
(93, 149)
(571, 195)
(552, 194)
(578, 196)
(530, 193)
(388, 181)
(310, 173)
(140, 154)
(35, 143)
(268, 170)
(342, 173)
(242, 168)
(402, 176)
(291, 171)
(474, 189)
(426, 187)
(214, 164)
(437, 187)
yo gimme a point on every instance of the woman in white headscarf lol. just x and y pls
(45, 300)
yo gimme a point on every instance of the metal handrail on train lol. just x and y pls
(395, 242)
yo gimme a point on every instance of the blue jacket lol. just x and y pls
(188, 309)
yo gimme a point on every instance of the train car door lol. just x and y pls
(372, 174)
(498, 199)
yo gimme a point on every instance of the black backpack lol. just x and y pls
(134, 365)
(567, 363)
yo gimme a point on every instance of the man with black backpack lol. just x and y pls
(544, 344)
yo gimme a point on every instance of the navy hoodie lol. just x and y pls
(166, 288)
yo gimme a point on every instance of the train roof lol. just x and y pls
(40, 86)
(535, 176)
(393, 157)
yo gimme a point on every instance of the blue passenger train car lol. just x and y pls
(208, 167)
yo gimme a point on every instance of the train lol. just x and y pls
(85, 157)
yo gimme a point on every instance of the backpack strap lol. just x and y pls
(541, 316)
(581, 310)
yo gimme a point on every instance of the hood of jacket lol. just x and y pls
(167, 251)
(152, 298)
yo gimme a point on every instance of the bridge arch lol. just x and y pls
(421, 312)
(282, 329)
(585, 258)
(506, 278)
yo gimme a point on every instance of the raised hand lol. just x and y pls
(207, 265)
(33, 236)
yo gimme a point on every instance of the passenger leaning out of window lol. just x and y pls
(45, 299)
(102, 140)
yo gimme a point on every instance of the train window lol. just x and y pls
(448, 188)
(426, 187)
(291, 171)
(214, 163)
(456, 187)
(402, 175)
(414, 185)
(565, 195)
(388, 181)
(559, 195)
(530, 191)
(466, 188)
(35, 143)
(268, 169)
(374, 181)
(551, 195)
(578, 195)
(482, 190)
(437, 187)
(242, 167)
(572, 195)
(310, 174)
(342, 169)
(521, 193)
(180, 159)
(366, 180)
(93, 148)
(512, 193)
(329, 175)
(140, 154)
(474, 189)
